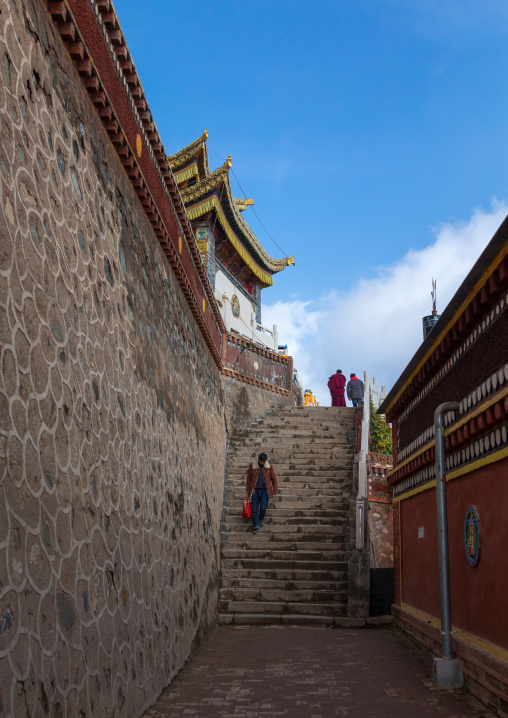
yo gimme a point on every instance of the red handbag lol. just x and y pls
(247, 509)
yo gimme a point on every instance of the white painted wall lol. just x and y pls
(245, 324)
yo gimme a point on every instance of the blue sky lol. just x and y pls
(361, 128)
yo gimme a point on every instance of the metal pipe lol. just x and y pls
(442, 526)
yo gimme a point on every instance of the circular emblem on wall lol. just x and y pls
(139, 145)
(472, 535)
(235, 306)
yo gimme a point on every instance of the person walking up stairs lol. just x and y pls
(294, 570)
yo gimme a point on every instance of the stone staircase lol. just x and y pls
(295, 570)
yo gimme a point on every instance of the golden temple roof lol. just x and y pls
(204, 196)
(192, 151)
(191, 194)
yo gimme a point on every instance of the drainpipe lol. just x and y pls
(447, 670)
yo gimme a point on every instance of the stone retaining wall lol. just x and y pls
(112, 437)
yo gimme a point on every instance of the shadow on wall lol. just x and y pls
(245, 403)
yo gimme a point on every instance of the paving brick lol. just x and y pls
(304, 672)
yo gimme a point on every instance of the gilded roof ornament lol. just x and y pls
(242, 204)
(291, 260)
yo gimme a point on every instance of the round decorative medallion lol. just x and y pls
(235, 306)
(180, 244)
(472, 535)
(256, 366)
(204, 306)
(139, 145)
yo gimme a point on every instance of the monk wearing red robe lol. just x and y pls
(336, 384)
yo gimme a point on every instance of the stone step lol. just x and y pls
(306, 435)
(346, 413)
(297, 563)
(297, 511)
(235, 522)
(303, 503)
(280, 594)
(290, 477)
(285, 552)
(340, 470)
(234, 533)
(296, 481)
(238, 492)
(287, 619)
(302, 454)
(283, 607)
(293, 419)
(282, 517)
(286, 489)
(281, 532)
(259, 583)
(252, 546)
(282, 443)
(341, 464)
(284, 576)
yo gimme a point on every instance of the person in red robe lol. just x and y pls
(336, 384)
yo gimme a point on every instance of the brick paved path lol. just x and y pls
(267, 672)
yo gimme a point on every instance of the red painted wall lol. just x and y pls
(479, 594)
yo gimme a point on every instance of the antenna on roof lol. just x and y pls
(433, 294)
(431, 320)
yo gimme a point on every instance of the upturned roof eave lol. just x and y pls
(187, 154)
(219, 181)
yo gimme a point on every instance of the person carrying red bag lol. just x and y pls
(262, 484)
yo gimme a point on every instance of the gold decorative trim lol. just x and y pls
(205, 205)
(186, 172)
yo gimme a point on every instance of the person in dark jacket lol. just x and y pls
(354, 389)
(261, 485)
(337, 384)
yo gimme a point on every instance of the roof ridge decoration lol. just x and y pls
(181, 158)
(242, 204)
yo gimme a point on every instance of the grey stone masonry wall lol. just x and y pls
(112, 437)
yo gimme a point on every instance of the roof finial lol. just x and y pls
(229, 161)
(433, 294)
(205, 134)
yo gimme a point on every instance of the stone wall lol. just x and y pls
(256, 380)
(245, 403)
(112, 436)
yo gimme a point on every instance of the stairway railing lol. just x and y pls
(363, 453)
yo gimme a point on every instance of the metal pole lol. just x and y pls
(442, 527)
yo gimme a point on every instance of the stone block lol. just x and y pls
(346, 622)
(375, 621)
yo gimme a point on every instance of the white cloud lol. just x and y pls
(376, 326)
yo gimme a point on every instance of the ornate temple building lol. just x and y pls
(237, 265)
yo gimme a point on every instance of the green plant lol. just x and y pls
(380, 433)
